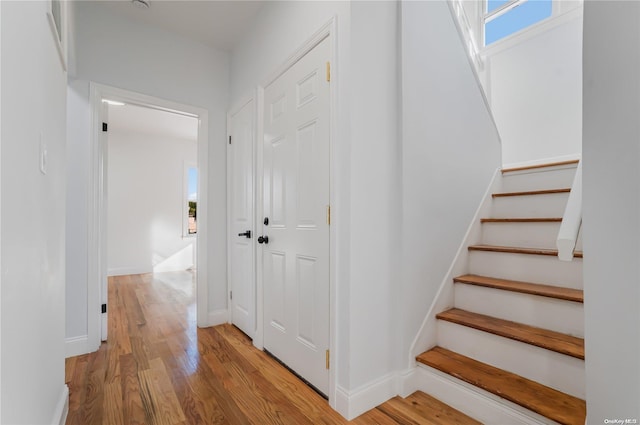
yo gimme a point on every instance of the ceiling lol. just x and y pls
(218, 24)
(154, 122)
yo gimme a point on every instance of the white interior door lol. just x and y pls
(241, 213)
(296, 200)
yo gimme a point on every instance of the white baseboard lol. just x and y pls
(218, 317)
(123, 271)
(352, 404)
(62, 408)
(76, 346)
(542, 161)
(470, 400)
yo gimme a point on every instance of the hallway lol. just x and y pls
(157, 367)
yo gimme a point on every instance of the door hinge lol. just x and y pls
(328, 71)
(104, 308)
(327, 355)
(329, 215)
(229, 139)
(231, 295)
(104, 126)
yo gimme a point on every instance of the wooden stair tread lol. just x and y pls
(520, 250)
(550, 403)
(531, 192)
(545, 165)
(422, 409)
(522, 220)
(544, 338)
(548, 291)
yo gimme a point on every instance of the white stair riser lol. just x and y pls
(543, 269)
(538, 179)
(548, 313)
(555, 370)
(548, 205)
(530, 235)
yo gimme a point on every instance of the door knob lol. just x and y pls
(263, 239)
(246, 234)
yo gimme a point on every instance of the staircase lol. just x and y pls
(514, 335)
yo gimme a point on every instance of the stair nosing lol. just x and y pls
(542, 336)
(536, 166)
(520, 250)
(531, 192)
(539, 405)
(538, 289)
(521, 220)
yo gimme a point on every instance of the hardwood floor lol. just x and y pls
(157, 367)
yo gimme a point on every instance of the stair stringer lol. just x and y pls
(426, 337)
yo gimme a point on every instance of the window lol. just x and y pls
(506, 17)
(191, 200)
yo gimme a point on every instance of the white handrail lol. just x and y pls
(568, 234)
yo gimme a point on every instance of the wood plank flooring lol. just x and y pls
(158, 368)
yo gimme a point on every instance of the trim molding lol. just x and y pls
(352, 404)
(77, 346)
(62, 408)
(217, 317)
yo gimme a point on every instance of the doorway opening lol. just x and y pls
(147, 214)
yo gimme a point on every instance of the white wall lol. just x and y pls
(450, 152)
(130, 55)
(535, 90)
(33, 218)
(375, 195)
(279, 30)
(611, 223)
(146, 197)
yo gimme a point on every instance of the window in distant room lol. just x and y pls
(191, 200)
(506, 17)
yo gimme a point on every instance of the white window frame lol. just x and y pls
(185, 200)
(561, 12)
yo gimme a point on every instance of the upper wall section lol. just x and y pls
(279, 30)
(533, 81)
(113, 50)
(450, 151)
